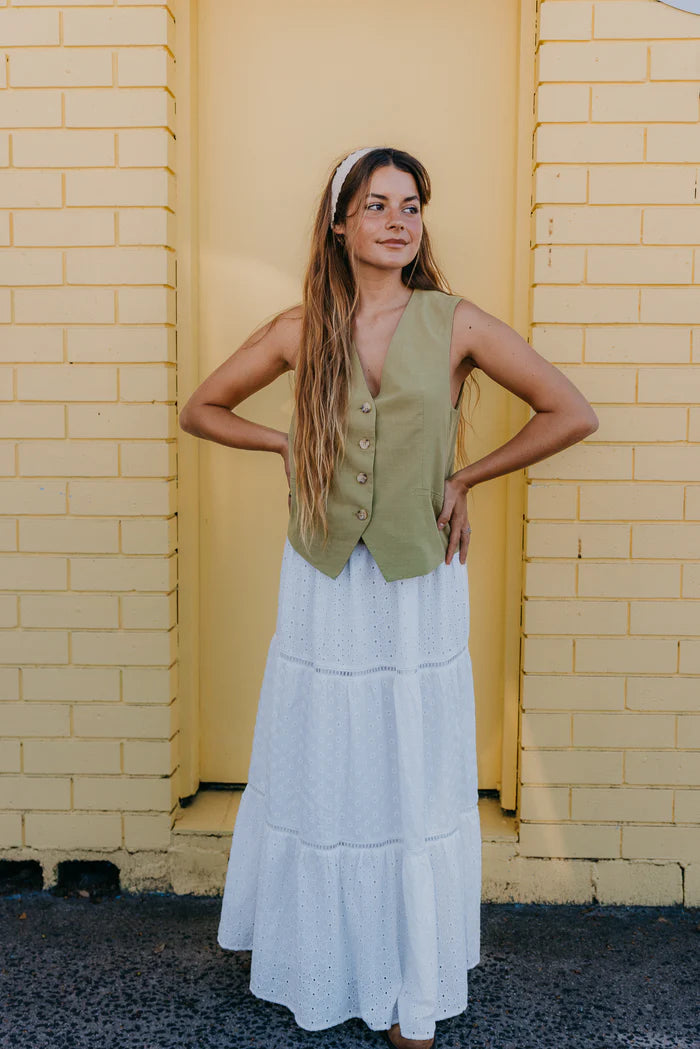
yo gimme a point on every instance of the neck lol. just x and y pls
(381, 290)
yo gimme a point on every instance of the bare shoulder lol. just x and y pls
(284, 330)
(505, 356)
(469, 321)
(483, 337)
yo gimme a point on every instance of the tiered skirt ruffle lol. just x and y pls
(354, 874)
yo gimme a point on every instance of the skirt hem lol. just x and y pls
(444, 1015)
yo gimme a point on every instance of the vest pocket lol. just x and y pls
(432, 504)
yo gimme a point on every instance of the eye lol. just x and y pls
(411, 207)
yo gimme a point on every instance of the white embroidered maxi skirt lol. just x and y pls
(355, 867)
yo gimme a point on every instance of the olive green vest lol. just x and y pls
(389, 489)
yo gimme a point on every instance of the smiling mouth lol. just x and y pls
(395, 243)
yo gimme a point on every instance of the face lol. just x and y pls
(391, 211)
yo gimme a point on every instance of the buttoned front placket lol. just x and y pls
(365, 437)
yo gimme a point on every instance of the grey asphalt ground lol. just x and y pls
(146, 972)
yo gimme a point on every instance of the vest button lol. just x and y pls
(366, 407)
(361, 478)
(364, 442)
(362, 514)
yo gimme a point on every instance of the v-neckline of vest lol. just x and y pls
(388, 350)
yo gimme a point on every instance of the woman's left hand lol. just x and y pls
(454, 512)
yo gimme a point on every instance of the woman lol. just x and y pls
(355, 867)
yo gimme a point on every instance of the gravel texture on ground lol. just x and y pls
(145, 972)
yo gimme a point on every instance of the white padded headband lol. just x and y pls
(341, 173)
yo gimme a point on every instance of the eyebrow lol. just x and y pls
(382, 197)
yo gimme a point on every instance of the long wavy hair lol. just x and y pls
(330, 298)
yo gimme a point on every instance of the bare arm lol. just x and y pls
(563, 415)
(254, 365)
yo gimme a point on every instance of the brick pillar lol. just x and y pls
(87, 428)
(612, 631)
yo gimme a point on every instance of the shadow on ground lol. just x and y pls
(85, 971)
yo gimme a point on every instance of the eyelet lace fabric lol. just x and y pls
(354, 875)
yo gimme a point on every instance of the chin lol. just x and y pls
(398, 260)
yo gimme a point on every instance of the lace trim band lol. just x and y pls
(360, 845)
(380, 669)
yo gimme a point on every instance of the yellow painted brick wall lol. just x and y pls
(87, 426)
(88, 642)
(610, 761)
